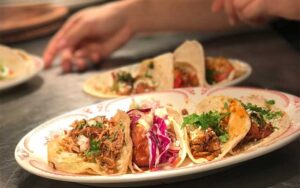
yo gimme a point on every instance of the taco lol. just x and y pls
(219, 124)
(151, 75)
(95, 146)
(189, 65)
(13, 63)
(220, 69)
(267, 122)
(157, 139)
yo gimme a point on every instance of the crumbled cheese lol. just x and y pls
(92, 123)
(143, 122)
(83, 143)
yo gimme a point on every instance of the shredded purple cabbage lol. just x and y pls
(158, 139)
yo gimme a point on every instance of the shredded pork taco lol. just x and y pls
(157, 139)
(96, 146)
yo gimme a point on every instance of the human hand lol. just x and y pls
(257, 11)
(90, 35)
(252, 12)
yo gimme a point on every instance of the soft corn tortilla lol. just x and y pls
(281, 124)
(191, 54)
(163, 71)
(73, 163)
(100, 85)
(18, 61)
(238, 125)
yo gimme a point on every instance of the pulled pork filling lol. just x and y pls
(96, 140)
(259, 129)
(185, 78)
(206, 145)
(207, 132)
(217, 69)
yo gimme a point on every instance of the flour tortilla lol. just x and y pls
(100, 85)
(73, 163)
(18, 61)
(191, 54)
(238, 125)
(162, 72)
(281, 124)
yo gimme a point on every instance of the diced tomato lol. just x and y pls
(178, 82)
(218, 77)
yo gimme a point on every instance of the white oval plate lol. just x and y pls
(38, 65)
(31, 151)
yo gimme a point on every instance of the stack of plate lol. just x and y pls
(28, 21)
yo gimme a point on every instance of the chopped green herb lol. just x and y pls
(210, 76)
(266, 113)
(123, 76)
(224, 137)
(226, 105)
(270, 102)
(151, 65)
(94, 148)
(81, 124)
(99, 124)
(208, 120)
(148, 74)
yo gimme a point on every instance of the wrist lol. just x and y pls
(131, 11)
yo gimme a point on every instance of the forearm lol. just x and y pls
(174, 15)
(289, 9)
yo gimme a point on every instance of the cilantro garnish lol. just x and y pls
(210, 76)
(99, 124)
(266, 113)
(94, 148)
(151, 65)
(208, 120)
(123, 76)
(270, 102)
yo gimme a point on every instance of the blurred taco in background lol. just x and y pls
(14, 63)
(150, 75)
(95, 146)
(157, 139)
(189, 65)
(220, 69)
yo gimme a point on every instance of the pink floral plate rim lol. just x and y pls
(291, 104)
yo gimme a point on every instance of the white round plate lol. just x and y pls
(31, 151)
(36, 68)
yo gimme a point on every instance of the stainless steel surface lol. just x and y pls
(276, 65)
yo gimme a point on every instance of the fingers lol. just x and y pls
(56, 44)
(253, 10)
(230, 11)
(66, 60)
(217, 5)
